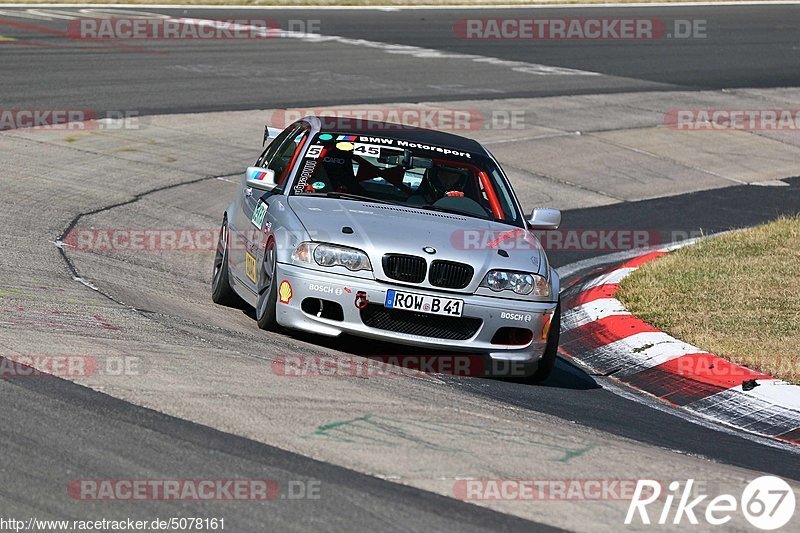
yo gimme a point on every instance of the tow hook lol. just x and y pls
(361, 300)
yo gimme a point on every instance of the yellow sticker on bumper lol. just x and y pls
(250, 267)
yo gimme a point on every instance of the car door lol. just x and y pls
(254, 222)
(239, 220)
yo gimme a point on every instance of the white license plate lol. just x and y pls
(423, 304)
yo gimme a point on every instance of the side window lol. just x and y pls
(287, 154)
(273, 147)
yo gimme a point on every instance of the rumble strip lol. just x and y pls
(600, 333)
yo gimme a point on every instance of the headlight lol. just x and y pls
(302, 254)
(329, 255)
(519, 282)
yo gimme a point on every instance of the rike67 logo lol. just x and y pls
(767, 502)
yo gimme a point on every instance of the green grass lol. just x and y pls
(736, 296)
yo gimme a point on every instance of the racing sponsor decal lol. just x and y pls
(285, 292)
(302, 181)
(369, 150)
(402, 144)
(314, 151)
(316, 287)
(259, 214)
(261, 176)
(519, 317)
(325, 137)
(250, 267)
(345, 146)
(371, 146)
(334, 160)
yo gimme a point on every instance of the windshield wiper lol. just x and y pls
(347, 196)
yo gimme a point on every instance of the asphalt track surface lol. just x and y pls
(748, 46)
(744, 46)
(117, 436)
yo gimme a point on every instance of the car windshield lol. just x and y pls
(405, 173)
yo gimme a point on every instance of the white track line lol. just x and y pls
(402, 49)
(410, 7)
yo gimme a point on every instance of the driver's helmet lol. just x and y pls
(448, 180)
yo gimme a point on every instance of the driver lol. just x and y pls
(448, 181)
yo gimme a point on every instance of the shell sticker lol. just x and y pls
(285, 292)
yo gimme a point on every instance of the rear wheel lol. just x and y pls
(548, 360)
(268, 295)
(221, 291)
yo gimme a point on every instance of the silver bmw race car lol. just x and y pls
(395, 233)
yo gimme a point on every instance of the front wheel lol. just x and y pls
(221, 291)
(548, 360)
(268, 294)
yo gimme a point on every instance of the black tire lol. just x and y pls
(548, 360)
(268, 292)
(221, 291)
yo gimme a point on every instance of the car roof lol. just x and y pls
(390, 130)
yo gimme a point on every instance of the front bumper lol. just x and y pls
(493, 313)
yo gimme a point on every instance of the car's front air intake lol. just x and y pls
(450, 275)
(420, 324)
(406, 268)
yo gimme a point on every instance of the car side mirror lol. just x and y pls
(545, 218)
(259, 178)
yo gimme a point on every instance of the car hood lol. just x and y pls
(379, 229)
